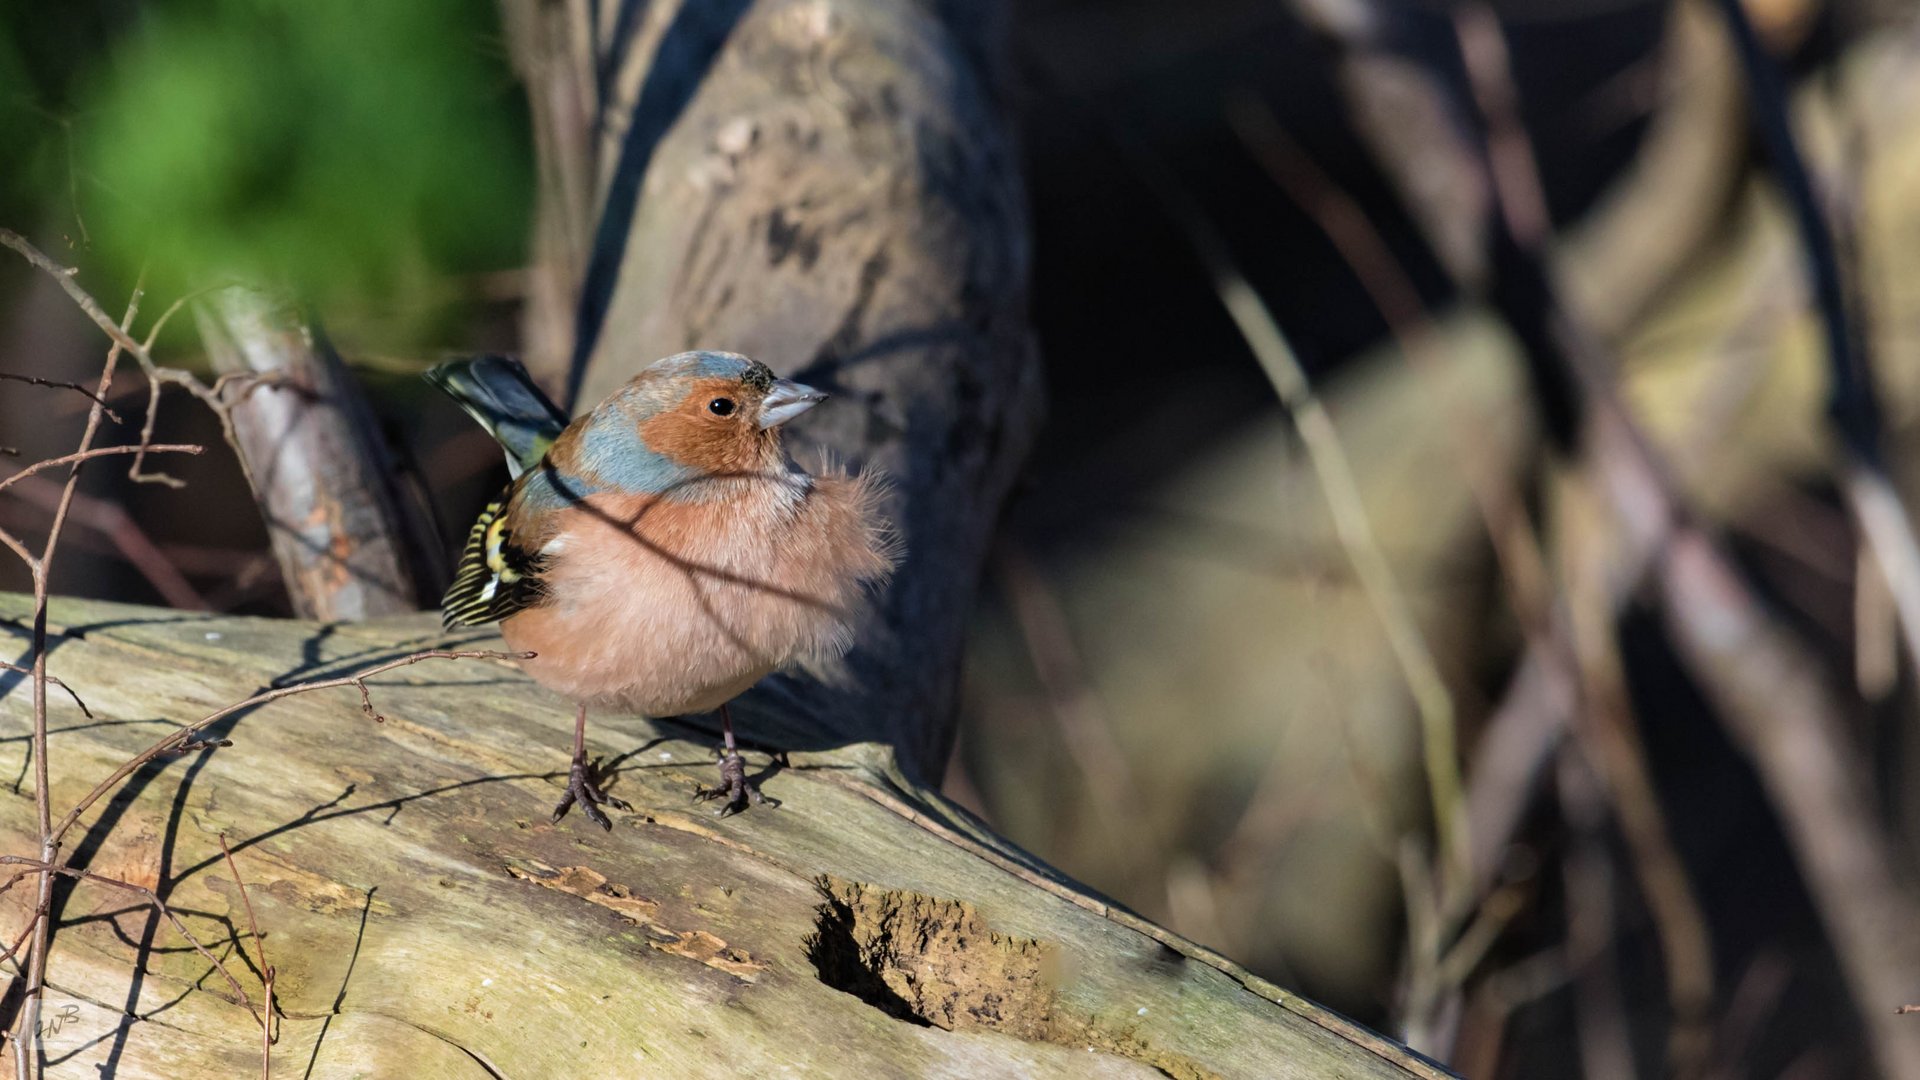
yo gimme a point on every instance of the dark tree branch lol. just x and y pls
(1853, 403)
(317, 462)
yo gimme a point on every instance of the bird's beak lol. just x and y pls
(785, 401)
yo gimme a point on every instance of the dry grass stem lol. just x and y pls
(1084, 728)
(1432, 699)
(1393, 294)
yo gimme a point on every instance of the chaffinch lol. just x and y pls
(663, 553)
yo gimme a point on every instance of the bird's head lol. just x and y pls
(698, 414)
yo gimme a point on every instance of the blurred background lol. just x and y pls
(1402, 696)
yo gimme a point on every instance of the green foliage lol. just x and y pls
(360, 151)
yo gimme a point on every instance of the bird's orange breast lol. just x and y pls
(667, 606)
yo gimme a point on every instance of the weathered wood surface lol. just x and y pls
(426, 921)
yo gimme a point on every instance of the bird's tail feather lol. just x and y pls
(498, 392)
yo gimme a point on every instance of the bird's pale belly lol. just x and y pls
(633, 623)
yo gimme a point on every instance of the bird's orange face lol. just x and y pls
(716, 414)
(712, 429)
(686, 418)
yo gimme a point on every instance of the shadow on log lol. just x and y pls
(425, 919)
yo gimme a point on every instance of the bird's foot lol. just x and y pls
(734, 787)
(582, 789)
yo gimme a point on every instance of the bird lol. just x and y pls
(663, 552)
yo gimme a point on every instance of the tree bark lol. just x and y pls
(423, 918)
(318, 466)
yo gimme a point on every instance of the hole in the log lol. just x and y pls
(937, 963)
(836, 956)
(928, 961)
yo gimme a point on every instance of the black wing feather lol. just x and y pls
(498, 392)
(495, 577)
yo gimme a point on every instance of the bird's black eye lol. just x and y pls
(721, 406)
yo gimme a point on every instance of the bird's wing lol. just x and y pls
(498, 392)
(497, 575)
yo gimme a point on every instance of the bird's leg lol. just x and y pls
(734, 785)
(580, 786)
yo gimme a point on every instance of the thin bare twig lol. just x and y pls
(366, 704)
(13, 544)
(140, 352)
(137, 471)
(26, 1033)
(96, 452)
(1263, 336)
(159, 377)
(13, 951)
(194, 746)
(267, 1034)
(64, 275)
(159, 905)
(18, 670)
(61, 384)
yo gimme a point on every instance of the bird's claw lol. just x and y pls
(581, 789)
(734, 787)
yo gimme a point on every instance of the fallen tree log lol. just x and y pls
(422, 918)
